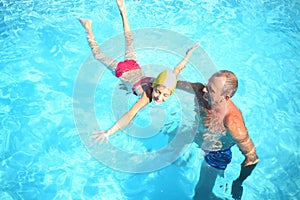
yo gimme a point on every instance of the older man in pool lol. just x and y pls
(222, 126)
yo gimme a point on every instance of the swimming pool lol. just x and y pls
(42, 50)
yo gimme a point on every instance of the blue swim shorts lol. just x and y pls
(219, 159)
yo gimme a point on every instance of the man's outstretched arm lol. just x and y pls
(239, 133)
(189, 87)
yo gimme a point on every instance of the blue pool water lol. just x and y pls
(43, 48)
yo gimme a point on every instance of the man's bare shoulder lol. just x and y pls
(234, 120)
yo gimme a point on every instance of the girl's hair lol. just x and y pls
(167, 79)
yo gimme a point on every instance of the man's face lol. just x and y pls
(213, 90)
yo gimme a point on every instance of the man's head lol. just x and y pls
(222, 85)
(163, 86)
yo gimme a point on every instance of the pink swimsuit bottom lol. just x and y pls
(126, 66)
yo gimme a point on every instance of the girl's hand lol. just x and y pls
(192, 49)
(100, 136)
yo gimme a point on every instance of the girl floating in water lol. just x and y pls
(132, 76)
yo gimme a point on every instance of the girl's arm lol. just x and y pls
(123, 121)
(177, 70)
(128, 116)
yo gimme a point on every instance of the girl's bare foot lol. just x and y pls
(121, 5)
(86, 23)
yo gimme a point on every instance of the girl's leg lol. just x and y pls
(98, 54)
(130, 52)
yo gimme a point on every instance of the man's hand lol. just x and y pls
(237, 190)
(251, 159)
(122, 86)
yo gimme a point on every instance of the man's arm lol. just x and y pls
(189, 87)
(235, 124)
